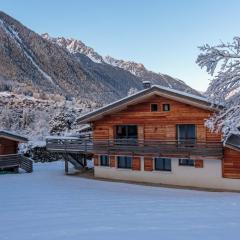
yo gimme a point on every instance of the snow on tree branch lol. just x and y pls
(132, 91)
(223, 63)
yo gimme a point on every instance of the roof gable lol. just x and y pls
(140, 96)
(12, 136)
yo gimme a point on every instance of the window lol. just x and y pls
(186, 162)
(124, 162)
(126, 134)
(126, 131)
(186, 133)
(166, 107)
(154, 107)
(163, 164)
(104, 160)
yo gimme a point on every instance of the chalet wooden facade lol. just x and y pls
(10, 160)
(158, 135)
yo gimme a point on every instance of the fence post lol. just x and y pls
(66, 166)
(85, 145)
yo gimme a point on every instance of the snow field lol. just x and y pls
(49, 205)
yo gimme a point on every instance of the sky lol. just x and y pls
(164, 35)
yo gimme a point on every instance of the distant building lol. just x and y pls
(9, 157)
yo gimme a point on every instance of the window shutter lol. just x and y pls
(198, 163)
(112, 161)
(96, 162)
(148, 164)
(136, 164)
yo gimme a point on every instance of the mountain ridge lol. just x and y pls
(137, 69)
(40, 64)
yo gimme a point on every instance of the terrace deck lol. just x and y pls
(126, 146)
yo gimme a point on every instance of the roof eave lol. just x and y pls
(236, 148)
(96, 115)
(15, 139)
(11, 136)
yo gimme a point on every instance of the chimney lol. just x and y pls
(146, 84)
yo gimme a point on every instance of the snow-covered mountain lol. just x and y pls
(137, 69)
(75, 46)
(38, 73)
(35, 64)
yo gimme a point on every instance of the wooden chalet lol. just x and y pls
(10, 160)
(158, 136)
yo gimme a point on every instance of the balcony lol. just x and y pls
(164, 148)
(69, 144)
(135, 146)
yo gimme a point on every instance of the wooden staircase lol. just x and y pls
(26, 164)
(78, 161)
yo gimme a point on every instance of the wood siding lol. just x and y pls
(101, 132)
(156, 125)
(231, 163)
(8, 146)
(212, 136)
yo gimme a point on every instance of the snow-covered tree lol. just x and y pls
(132, 91)
(9, 119)
(62, 121)
(223, 63)
(30, 122)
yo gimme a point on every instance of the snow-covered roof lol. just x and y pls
(234, 141)
(62, 138)
(13, 136)
(177, 95)
(182, 93)
(84, 127)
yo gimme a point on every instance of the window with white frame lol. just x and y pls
(166, 107)
(154, 107)
(186, 162)
(104, 160)
(124, 162)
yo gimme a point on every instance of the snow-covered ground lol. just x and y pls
(48, 205)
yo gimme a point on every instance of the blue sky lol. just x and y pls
(163, 35)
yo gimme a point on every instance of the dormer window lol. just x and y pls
(154, 107)
(166, 107)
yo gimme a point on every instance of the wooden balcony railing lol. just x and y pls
(136, 146)
(167, 148)
(84, 145)
(16, 160)
(10, 160)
